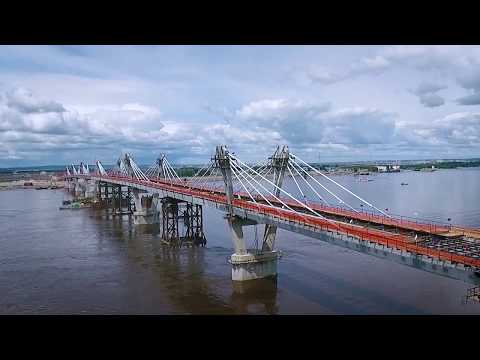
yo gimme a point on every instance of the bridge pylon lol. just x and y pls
(247, 264)
(279, 162)
(223, 162)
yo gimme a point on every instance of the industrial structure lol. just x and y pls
(254, 194)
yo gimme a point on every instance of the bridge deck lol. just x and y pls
(401, 223)
(384, 237)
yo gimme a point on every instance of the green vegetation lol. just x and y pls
(352, 168)
(186, 171)
(370, 168)
(442, 165)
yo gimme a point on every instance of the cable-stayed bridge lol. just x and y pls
(319, 207)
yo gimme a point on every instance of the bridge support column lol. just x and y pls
(249, 264)
(79, 187)
(246, 264)
(69, 185)
(146, 211)
(90, 189)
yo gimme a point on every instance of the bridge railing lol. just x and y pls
(394, 220)
(397, 241)
(413, 220)
(366, 215)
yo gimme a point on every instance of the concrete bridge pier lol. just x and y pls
(249, 264)
(69, 185)
(91, 188)
(146, 208)
(79, 187)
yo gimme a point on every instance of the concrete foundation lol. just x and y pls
(79, 188)
(146, 212)
(90, 189)
(252, 266)
(146, 217)
(69, 185)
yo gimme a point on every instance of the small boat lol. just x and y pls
(74, 206)
(403, 184)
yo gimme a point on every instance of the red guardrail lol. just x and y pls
(396, 241)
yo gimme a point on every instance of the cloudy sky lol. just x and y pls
(65, 104)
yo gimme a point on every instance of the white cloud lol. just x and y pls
(473, 99)
(23, 100)
(421, 57)
(431, 100)
(299, 123)
(457, 130)
(470, 82)
(427, 94)
(28, 123)
(427, 87)
(90, 102)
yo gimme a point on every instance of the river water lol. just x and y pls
(85, 262)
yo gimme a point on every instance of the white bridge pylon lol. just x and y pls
(262, 183)
(161, 169)
(126, 166)
(84, 169)
(258, 183)
(100, 169)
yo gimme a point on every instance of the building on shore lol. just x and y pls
(427, 169)
(388, 168)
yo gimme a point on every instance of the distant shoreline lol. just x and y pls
(44, 180)
(404, 165)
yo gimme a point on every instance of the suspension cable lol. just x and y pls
(293, 177)
(309, 185)
(208, 178)
(341, 201)
(197, 179)
(264, 198)
(166, 172)
(283, 191)
(171, 175)
(266, 170)
(248, 192)
(241, 172)
(172, 169)
(194, 177)
(344, 188)
(302, 204)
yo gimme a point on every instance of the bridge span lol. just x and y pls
(252, 195)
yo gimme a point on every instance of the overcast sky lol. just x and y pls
(67, 104)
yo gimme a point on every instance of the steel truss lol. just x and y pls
(188, 232)
(119, 199)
